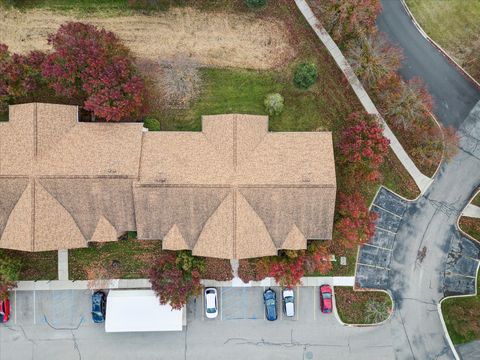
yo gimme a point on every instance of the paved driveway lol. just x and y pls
(57, 325)
(453, 94)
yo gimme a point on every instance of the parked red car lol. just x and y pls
(4, 310)
(326, 304)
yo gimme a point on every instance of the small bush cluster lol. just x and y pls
(152, 124)
(255, 3)
(305, 75)
(274, 104)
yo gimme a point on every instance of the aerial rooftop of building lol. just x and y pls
(233, 190)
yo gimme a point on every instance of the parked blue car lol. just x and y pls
(270, 301)
(99, 306)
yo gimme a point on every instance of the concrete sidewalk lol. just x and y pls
(471, 211)
(145, 283)
(422, 181)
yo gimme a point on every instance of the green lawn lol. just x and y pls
(471, 226)
(243, 91)
(462, 317)
(476, 200)
(98, 260)
(35, 266)
(352, 306)
(113, 7)
(454, 24)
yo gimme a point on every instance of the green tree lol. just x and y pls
(305, 75)
(255, 3)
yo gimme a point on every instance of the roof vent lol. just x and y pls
(111, 171)
(161, 178)
(306, 178)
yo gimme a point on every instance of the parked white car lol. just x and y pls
(288, 297)
(211, 304)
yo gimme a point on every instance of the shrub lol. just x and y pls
(152, 124)
(273, 104)
(287, 271)
(305, 75)
(376, 311)
(94, 66)
(255, 3)
(9, 274)
(372, 57)
(356, 224)
(348, 19)
(363, 146)
(317, 258)
(175, 277)
(252, 269)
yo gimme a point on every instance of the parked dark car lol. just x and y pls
(326, 304)
(4, 310)
(99, 306)
(270, 301)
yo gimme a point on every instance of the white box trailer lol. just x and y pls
(140, 310)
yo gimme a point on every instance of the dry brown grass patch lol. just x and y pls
(216, 39)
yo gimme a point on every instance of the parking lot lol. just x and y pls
(58, 325)
(246, 303)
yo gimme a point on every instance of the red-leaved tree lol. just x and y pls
(19, 75)
(363, 146)
(94, 66)
(356, 224)
(175, 277)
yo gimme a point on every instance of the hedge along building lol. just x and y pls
(234, 190)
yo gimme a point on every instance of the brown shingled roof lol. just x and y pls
(235, 190)
(64, 183)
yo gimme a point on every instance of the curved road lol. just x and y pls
(453, 94)
(430, 222)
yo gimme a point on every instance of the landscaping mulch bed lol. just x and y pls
(123, 259)
(35, 265)
(352, 306)
(217, 269)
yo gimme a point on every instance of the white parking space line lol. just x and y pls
(15, 304)
(221, 303)
(264, 315)
(298, 302)
(34, 310)
(314, 314)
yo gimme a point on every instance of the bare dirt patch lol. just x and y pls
(212, 38)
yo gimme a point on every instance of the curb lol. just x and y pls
(434, 43)
(365, 325)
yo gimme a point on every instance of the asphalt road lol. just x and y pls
(418, 285)
(453, 94)
(57, 325)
